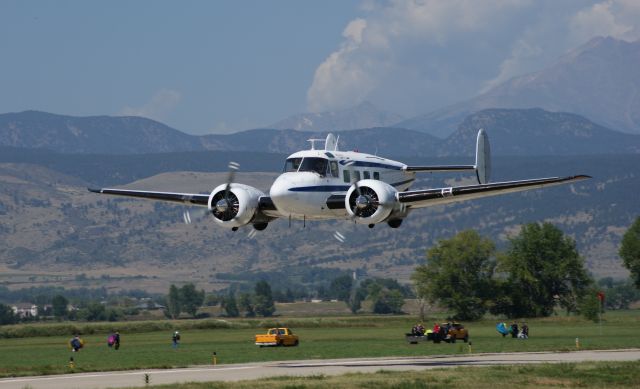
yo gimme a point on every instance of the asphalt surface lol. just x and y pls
(304, 368)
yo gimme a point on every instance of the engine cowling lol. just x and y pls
(237, 208)
(374, 204)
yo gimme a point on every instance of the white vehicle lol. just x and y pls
(325, 184)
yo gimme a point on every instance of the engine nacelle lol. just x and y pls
(239, 206)
(376, 202)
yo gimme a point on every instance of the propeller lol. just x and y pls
(227, 203)
(365, 203)
(340, 237)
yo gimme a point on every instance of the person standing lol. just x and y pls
(116, 340)
(176, 339)
(514, 330)
(524, 331)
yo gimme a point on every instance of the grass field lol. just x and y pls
(352, 337)
(582, 375)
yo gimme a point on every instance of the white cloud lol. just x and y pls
(160, 105)
(415, 56)
(616, 18)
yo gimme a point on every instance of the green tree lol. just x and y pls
(6, 315)
(358, 295)
(211, 300)
(246, 305)
(229, 305)
(174, 306)
(59, 305)
(388, 301)
(458, 275)
(263, 302)
(289, 297)
(543, 268)
(630, 251)
(589, 305)
(340, 288)
(191, 299)
(95, 311)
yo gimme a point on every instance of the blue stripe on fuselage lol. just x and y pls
(321, 188)
(335, 188)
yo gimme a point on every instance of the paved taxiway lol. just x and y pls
(305, 368)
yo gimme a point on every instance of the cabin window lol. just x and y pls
(356, 175)
(317, 165)
(376, 175)
(367, 175)
(292, 165)
(333, 165)
(347, 175)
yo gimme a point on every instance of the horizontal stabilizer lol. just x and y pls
(439, 168)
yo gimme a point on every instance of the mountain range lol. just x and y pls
(599, 80)
(512, 132)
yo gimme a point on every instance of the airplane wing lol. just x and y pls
(185, 198)
(429, 197)
(264, 204)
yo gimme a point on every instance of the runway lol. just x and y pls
(304, 368)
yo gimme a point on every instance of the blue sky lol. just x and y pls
(221, 66)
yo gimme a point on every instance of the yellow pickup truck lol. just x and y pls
(277, 337)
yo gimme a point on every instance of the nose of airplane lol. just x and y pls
(279, 192)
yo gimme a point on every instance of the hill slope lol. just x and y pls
(92, 134)
(538, 132)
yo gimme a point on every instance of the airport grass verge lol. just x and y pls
(320, 338)
(563, 375)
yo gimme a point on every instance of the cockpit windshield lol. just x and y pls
(292, 165)
(318, 165)
(309, 164)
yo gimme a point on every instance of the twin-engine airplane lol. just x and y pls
(331, 184)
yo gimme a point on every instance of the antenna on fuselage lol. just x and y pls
(313, 142)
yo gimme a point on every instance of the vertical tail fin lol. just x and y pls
(483, 157)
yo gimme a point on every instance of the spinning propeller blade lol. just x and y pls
(339, 236)
(198, 213)
(233, 167)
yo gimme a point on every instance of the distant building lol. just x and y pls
(23, 310)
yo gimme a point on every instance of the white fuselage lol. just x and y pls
(311, 177)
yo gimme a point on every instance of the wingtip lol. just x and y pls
(94, 190)
(582, 177)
